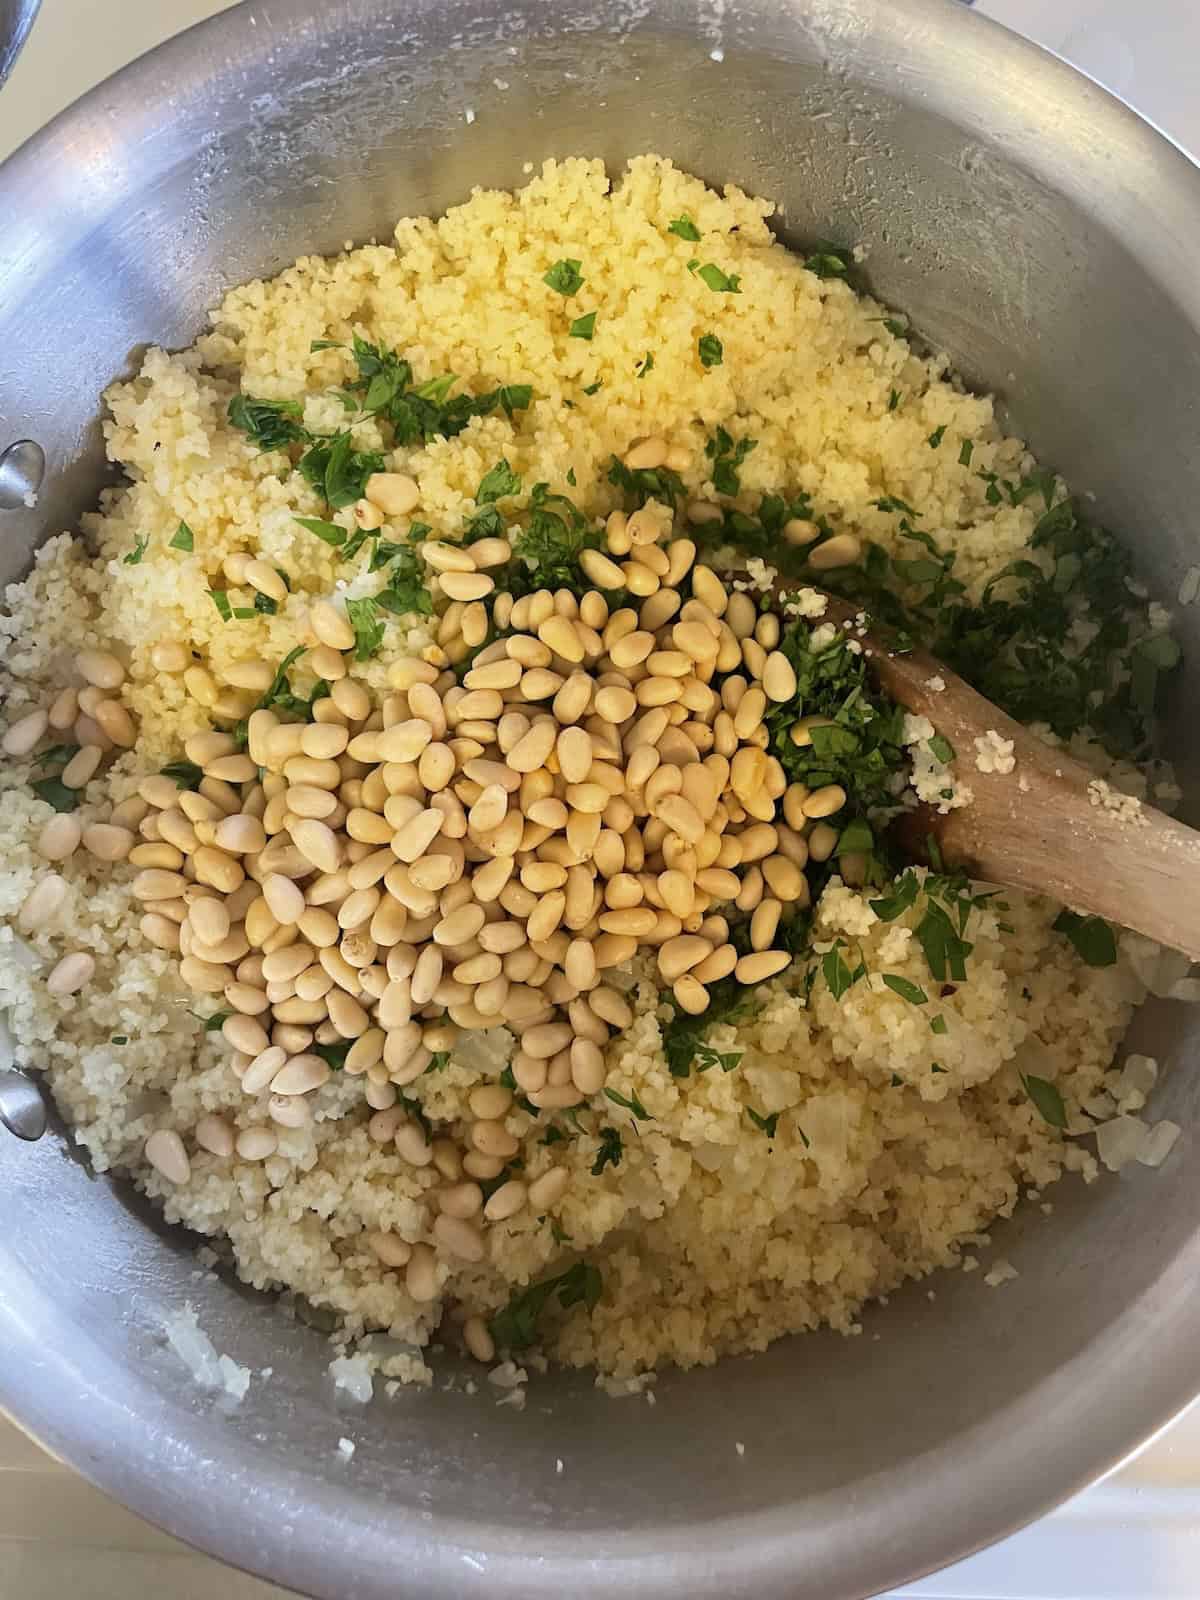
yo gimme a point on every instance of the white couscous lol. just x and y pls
(444, 848)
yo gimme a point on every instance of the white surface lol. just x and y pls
(1136, 1537)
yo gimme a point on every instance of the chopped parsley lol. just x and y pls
(57, 755)
(711, 350)
(329, 532)
(497, 483)
(583, 327)
(719, 282)
(683, 1035)
(940, 749)
(1092, 937)
(631, 1103)
(564, 277)
(837, 974)
(726, 458)
(767, 1125)
(270, 424)
(938, 1024)
(515, 1327)
(707, 1057)
(935, 438)
(368, 630)
(339, 471)
(965, 451)
(610, 1152)
(133, 558)
(593, 388)
(828, 261)
(221, 600)
(334, 1054)
(907, 990)
(684, 228)
(119, 1038)
(214, 1022)
(645, 365)
(1046, 1098)
(894, 400)
(184, 539)
(55, 793)
(186, 774)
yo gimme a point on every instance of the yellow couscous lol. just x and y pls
(820, 1145)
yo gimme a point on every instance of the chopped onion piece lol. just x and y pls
(1120, 1141)
(1159, 1143)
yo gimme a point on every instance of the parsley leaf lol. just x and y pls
(330, 532)
(1092, 937)
(828, 261)
(939, 1024)
(215, 1021)
(631, 1104)
(965, 451)
(684, 228)
(368, 630)
(1046, 1098)
(768, 1125)
(565, 277)
(187, 774)
(707, 1057)
(270, 424)
(134, 557)
(904, 893)
(837, 974)
(593, 388)
(646, 364)
(220, 599)
(57, 755)
(515, 1327)
(711, 350)
(719, 282)
(583, 327)
(945, 950)
(911, 992)
(338, 470)
(726, 458)
(55, 793)
(940, 749)
(935, 438)
(184, 538)
(497, 483)
(610, 1152)
(334, 1054)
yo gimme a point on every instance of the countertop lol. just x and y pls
(1136, 1537)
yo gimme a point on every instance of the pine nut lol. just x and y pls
(394, 493)
(493, 1139)
(506, 1201)
(256, 1144)
(107, 843)
(761, 965)
(81, 768)
(779, 677)
(63, 710)
(59, 837)
(165, 1152)
(301, 1075)
(588, 1070)
(825, 802)
(71, 973)
(691, 995)
(22, 735)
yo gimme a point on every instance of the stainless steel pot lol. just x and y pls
(1048, 239)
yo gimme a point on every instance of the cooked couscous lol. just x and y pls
(444, 836)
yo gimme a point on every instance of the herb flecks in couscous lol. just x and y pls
(431, 862)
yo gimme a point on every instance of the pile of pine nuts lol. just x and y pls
(463, 855)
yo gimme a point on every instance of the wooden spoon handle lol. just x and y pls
(1047, 826)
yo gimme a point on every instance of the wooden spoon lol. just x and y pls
(1044, 826)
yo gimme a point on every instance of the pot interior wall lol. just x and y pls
(960, 1410)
